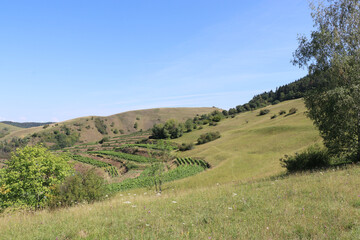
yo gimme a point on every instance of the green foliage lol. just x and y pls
(332, 57)
(264, 112)
(112, 171)
(186, 146)
(171, 129)
(104, 139)
(30, 176)
(136, 125)
(312, 158)
(100, 126)
(273, 116)
(126, 156)
(147, 181)
(116, 131)
(207, 137)
(81, 187)
(189, 125)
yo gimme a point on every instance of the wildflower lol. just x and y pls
(148, 225)
(174, 202)
(127, 202)
(230, 208)
(234, 194)
(133, 206)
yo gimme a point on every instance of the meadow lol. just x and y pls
(244, 195)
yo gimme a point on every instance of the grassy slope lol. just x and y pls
(147, 118)
(250, 150)
(244, 205)
(10, 127)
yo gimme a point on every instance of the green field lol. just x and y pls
(245, 194)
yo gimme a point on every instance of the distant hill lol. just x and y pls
(94, 128)
(6, 129)
(26, 124)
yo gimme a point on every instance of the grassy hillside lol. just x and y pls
(6, 129)
(117, 124)
(251, 145)
(239, 198)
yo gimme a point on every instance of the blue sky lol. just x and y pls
(71, 58)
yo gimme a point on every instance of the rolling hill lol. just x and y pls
(114, 125)
(243, 196)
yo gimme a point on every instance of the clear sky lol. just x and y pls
(63, 59)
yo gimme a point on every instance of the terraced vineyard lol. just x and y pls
(192, 161)
(130, 162)
(126, 156)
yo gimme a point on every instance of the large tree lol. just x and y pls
(332, 56)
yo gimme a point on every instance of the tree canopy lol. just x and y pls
(30, 176)
(332, 56)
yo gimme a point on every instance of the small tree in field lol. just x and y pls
(30, 176)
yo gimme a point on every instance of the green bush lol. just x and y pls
(207, 137)
(81, 187)
(292, 111)
(312, 158)
(273, 116)
(264, 112)
(105, 139)
(100, 126)
(186, 146)
(30, 175)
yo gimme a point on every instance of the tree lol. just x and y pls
(30, 176)
(332, 56)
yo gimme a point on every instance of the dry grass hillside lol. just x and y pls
(118, 124)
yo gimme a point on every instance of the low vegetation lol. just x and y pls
(148, 180)
(125, 156)
(208, 137)
(312, 158)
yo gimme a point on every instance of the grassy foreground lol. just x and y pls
(321, 205)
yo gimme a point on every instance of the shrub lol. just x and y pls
(282, 112)
(100, 126)
(82, 187)
(30, 176)
(136, 125)
(273, 116)
(276, 102)
(312, 158)
(207, 137)
(116, 131)
(264, 112)
(105, 139)
(186, 146)
(292, 111)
